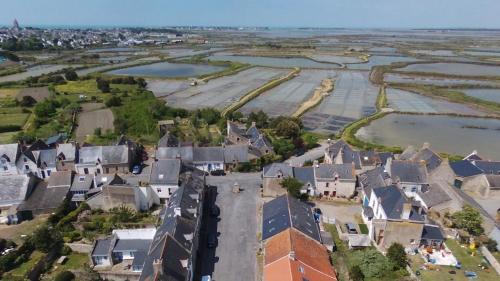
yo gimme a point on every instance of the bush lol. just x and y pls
(46, 239)
(113, 101)
(65, 251)
(27, 101)
(468, 219)
(70, 75)
(356, 274)
(103, 85)
(293, 186)
(288, 129)
(397, 256)
(65, 276)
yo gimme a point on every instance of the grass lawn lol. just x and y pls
(10, 110)
(7, 137)
(21, 271)
(75, 261)
(13, 119)
(363, 228)
(8, 92)
(469, 263)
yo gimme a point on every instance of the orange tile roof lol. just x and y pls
(311, 259)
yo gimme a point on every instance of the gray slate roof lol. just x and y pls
(10, 150)
(102, 247)
(132, 245)
(60, 179)
(185, 153)
(115, 154)
(408, 171)
(433, 195)
(165, 171)
(13, 189)
(392, 200)
(488, 167)
(432, 159)
(328, 171)
(82, 182)
(47, 157)
(208, 154)
(285, 211)
(372, 179)
(44, 198)
(68, 150)
(272, 170)
(304, 175)
(236, 154)
(465, 168)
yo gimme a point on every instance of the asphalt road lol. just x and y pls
(310, 155)
(234, 257)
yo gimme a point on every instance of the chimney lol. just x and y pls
(426, 145)
(177, 212)
(291, 255)
(157, 267)
(406, 211)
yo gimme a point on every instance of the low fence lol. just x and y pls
(491, 259)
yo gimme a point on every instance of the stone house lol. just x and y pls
(164, 178)
(335, 180)
(483, 185)
(67, 155)
(410, 176)
(104, 159)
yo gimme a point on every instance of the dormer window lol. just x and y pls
(81, 179)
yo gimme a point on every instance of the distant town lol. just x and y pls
(219, 153)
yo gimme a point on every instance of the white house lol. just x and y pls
(164, 178)
(9, 154)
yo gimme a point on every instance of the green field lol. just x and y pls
(17, 119)
(73, 89)
(469, 263)
(6, 137)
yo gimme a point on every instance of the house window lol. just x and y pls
(98, 171)
(26, 167)
(3, 161)
(327, 184)
(326, 193)
(158, 190)
(107, 170)
(301, 269)
(48, 173)
(43, 174)
(86, 171)
(5, 168)
(413, 189)
(25, 159)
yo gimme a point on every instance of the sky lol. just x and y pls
(272, 13)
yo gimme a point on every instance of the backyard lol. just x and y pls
(469, 263)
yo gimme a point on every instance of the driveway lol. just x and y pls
(310, 155)
(235, 255)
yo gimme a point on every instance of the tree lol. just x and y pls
(397, 256)
(288, 129)
(45, 109)
(89, 274)
(27, 101)
(260, 118)
(283, 147)
(46, 239)
(142, 83)
(371, 262)
(113, 101)
(468, 219)
(103, 85)
(70, 75)
(65, 276)
(355, 273)
(293, 186)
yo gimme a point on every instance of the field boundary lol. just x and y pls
(327, 86)
(256, 92)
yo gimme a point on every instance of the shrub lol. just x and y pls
(65, 276)
(113, 101)
(356, 274)
(468, 219)
(397, 256)
(103, 85)
(70, 75)
(27, 101)
(293, 186)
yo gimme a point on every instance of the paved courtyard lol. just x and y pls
(235, 255)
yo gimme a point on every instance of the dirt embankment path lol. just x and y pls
(324, 89)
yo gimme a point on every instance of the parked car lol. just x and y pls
(212, 241)
(218, 173)
(215, 211)
(206, 278)
(137, 169)
(351, 228)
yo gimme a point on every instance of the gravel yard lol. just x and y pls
(88, 121)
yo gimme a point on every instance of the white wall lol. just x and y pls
(11, 167)
(214, 166)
